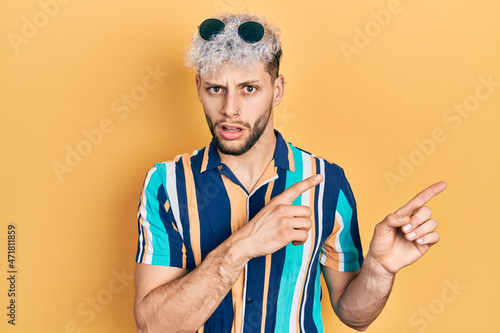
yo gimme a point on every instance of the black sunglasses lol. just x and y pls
(250, 32)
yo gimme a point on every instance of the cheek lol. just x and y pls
(260, 102)
(209, 122)
(210, 106)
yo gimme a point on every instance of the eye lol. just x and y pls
(250, 89)
(215, 90)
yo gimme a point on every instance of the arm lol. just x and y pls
(358, 297)
(399, 240)
(170, 299)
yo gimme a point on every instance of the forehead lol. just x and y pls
(233, 72)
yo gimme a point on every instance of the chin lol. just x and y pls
(235, 150)
(231, 147)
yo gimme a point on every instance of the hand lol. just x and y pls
(406, 235)
(279, 222)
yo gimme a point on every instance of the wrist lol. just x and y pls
(236, 252)
(375, 268)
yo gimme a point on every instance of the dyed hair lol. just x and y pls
(227, 48)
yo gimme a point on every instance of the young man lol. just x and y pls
(234, 237)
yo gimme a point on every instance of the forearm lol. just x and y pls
(365, 296)
(185, 304)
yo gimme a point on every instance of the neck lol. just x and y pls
(249, 167)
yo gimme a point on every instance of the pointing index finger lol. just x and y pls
(422, 198)
(293, 192)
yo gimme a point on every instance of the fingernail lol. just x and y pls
(318, 177)
(421, 240)
(412, 235)
(407, 227)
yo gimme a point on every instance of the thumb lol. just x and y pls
(391, 222)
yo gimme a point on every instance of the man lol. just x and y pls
(233, 238)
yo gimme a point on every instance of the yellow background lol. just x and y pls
(364, 111)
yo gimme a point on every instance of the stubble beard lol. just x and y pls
(255, 131)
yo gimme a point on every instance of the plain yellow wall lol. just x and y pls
(401, 94)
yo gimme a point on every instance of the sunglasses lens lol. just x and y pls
(210, 28)
(251, 32)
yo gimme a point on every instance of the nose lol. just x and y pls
(231, 107)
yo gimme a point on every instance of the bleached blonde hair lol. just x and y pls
(227, 48)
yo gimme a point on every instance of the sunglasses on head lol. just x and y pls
(250, 32)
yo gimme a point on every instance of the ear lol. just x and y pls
(279, 89)
(198, 85)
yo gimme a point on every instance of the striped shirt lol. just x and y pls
(191, 205)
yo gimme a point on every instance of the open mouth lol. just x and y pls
(231, 129)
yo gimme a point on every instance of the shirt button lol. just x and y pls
(249, 300)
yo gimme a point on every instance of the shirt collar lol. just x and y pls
(283, 157)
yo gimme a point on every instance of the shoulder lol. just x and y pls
(162, 170)
(324, 165)
(185, 160)
(335, 180)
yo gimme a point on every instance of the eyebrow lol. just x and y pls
(249, 82)
(244, 83)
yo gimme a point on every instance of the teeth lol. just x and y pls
(231, 129)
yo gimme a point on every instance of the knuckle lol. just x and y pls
(393, 217)
(433, 238)
(432, 223)
(281, 209)
(307, 211)
(295, 187)
(282, 221)
(421, 198)
(426, 210)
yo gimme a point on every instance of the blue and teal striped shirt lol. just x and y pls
(191, 205)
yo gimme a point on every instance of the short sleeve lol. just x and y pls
(159, 241)
(342, 250)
